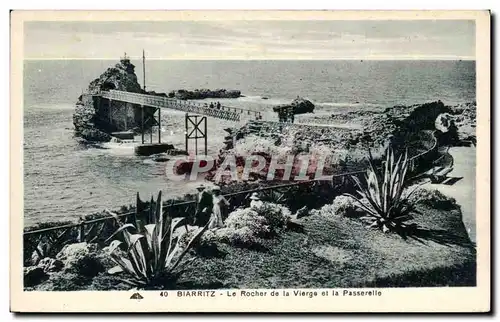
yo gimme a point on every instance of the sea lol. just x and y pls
(65, 179)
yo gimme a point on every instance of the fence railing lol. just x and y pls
(221, 112)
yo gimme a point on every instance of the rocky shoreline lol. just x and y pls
(183, 94)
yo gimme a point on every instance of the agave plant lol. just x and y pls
(153, 254)
(384, 197)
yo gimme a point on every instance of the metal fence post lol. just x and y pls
(81, 231)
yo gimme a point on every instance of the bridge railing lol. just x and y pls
(224, 112)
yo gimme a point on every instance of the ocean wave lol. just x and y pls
(115, 148)
(347, 104)
(265, 100)
(50, 106)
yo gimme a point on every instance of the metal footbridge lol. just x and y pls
(223, 112)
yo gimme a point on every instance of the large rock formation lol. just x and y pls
(400, 123)
(298, 106)
(183, 94)
(465, 120)
(92, 118)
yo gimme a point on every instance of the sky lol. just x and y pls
(252, 39)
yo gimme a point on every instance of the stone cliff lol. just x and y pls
(94, 119)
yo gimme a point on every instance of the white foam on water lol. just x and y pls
(261, 100)
(149, 161)
(119, 148)
(51, 106)
(347, 104)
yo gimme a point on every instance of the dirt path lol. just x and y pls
(464, 190)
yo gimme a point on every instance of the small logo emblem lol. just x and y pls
(136, 296)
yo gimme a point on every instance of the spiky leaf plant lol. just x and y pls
(152, 254)
(384, 196)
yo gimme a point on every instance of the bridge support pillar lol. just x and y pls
(142, 123)
(159, 125)
(196, 128)
(151, 134)
(110, 101)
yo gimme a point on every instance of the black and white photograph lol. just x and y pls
(194, 156)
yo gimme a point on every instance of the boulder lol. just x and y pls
(34, 275)
(301, 106)
(50, 265)
(298, 106)
(82, 259)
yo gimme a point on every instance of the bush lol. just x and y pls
(255, 144)
(239, 237)
(250, 219)
(81, 259)
(276, 216)
(433, 198)
(342, 206)
(244, 227)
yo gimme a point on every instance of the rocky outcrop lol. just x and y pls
(403, 123)
(298, 106)
(399, 123)
(183, 94)
(465, 120)
(92, 119)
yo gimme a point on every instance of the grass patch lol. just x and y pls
(434, 199)
(340, 252)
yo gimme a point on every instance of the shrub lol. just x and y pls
(81, 258)
(250, 219)
(382, 197)
(154, 255)
(244, 227)
(433, 198)
(255, 144)
(342, 206)
(241, 237)
(276, 215)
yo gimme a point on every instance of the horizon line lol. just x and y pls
(413, 58)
